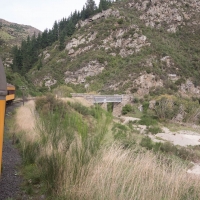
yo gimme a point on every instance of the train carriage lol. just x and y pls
(10, 93)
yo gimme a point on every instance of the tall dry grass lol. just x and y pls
(74, 164)
(25, 119)
(122, 174)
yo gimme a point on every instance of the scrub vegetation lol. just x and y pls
(67, 155)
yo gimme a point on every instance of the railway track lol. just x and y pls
(10, 180)
(17, 101)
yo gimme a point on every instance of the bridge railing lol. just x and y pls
(103, 98)
(107, 99)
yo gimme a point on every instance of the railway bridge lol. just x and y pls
(118, 100)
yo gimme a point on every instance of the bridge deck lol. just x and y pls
(101, 98)
(108, 98)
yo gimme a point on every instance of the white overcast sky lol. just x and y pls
(40, 14)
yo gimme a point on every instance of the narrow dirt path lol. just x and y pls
(10, 181)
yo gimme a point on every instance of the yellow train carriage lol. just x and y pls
(10, 93)
(3, 93)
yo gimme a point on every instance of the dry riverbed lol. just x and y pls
(181, 137)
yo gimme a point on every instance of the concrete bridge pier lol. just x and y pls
(117, 109)
(118, 101)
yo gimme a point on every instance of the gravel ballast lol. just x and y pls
(10, 181)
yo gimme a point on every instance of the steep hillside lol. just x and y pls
(141, 47)
(12, 34)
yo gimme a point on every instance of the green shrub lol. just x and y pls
(120, 21)
(156, 146)
(166, 108)
(63, 91)
(49, 103)
(119, 126)
(168, 147)
(147, 120)
(180, 81)
(29, 152)
(154, 129)
(120, 135)
(119, 131)
(145, 106)
(80, 108)
(126, 109)
(147, 143)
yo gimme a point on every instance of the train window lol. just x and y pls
(10, 92)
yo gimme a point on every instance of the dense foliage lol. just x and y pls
(28, 53)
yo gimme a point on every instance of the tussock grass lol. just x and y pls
(26, 119)
(73, 162)
(125, 174)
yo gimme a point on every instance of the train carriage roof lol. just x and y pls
(9, 86)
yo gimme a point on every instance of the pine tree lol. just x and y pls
(62, 41)
(104, 4)
(39, 66)
(90, 8)
(55, 31)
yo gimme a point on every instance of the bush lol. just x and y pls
(126, 109)
(147, 143)
(147, 120)
(166, 108)
(80, 108)
(145, 106)
(63, 91)
(119, 131)
(154, 129)
(120, 21)
(49, 103)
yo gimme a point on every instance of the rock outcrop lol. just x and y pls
(74, 43)
(103, 14)
(93, 68)
(166, 14)
(128, 45)
(188, 88)
(145, 82)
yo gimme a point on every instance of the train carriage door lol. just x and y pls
(3, 92)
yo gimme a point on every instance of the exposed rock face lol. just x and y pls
(8, 62)
(168, 61)
(103, 14)
(47, 55)
(145, 82)
(164, 13)
(49, 81)
(189, 88)
(75, 42)
(129, 45)
(93, 68)
(173, 77)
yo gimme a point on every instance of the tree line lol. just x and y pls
(25, 56)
